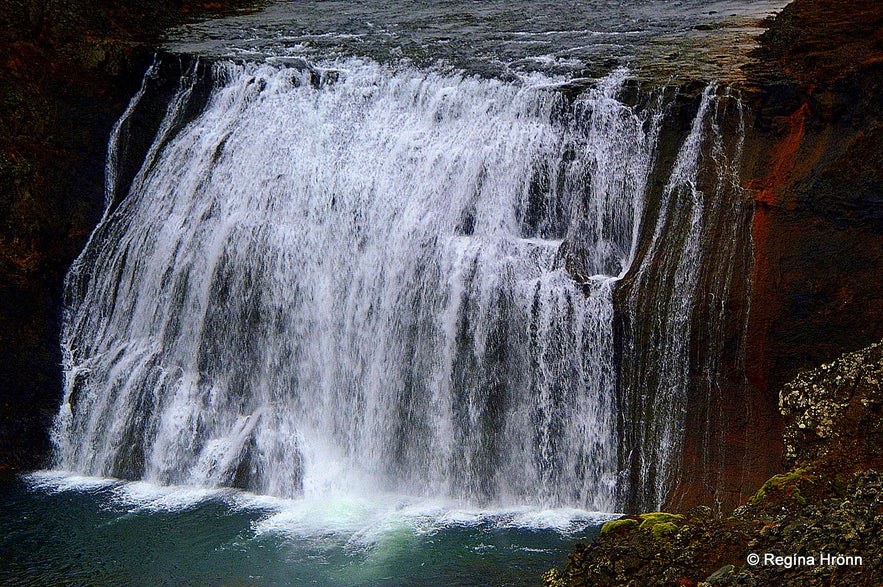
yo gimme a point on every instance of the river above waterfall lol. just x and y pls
(658, 39)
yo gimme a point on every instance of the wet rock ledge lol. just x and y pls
(67, 71)
(828, 503)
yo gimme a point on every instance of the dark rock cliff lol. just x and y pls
(67, 71)
(828, 503)
(681, 318)
(818, 185)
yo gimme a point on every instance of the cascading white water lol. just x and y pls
(701, 203)
(357, 286)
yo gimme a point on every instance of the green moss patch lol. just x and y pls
(616, 525)
(785, 485)
(663, 529)
(651, 519)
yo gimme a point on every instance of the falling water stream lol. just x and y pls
(359, 285)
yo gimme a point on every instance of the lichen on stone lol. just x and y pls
(553, 578)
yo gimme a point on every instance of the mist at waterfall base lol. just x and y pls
(353, 323)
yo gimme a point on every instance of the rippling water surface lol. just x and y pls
(659, 38)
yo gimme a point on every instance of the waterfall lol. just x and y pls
(373, 278)
(681, 300)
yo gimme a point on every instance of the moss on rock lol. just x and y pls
(786, 485)
(650, 520)
(663, 529)
(620, 524)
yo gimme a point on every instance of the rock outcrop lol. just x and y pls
(825, 512)
(818, 227)
(835, 413)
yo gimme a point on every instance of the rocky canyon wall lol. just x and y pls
(817, 172)
(814, 168)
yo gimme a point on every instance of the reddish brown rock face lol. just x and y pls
(818, 184)
(814, 167)
(818, 230)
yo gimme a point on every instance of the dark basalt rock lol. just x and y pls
(817, 170)
(67, 71)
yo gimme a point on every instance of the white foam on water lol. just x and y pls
(59, 481)
(151, 497)
(366, 523)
